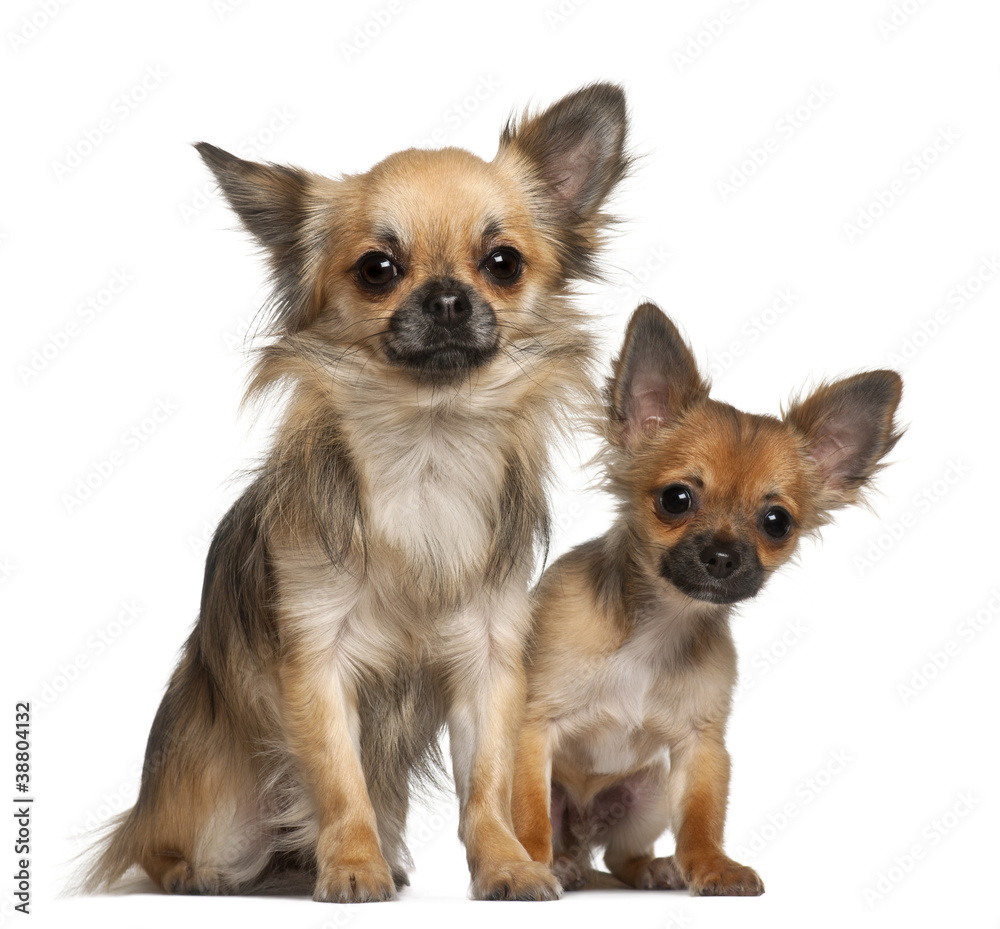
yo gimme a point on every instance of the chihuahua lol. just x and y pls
(632, 665)
(372, 583)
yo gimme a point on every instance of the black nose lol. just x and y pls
(448, 308)
(720, 560)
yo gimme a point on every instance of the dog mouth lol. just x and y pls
(453, 357)
(715, 593)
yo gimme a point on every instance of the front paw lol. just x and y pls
(720, 876)
(660, 874)
(515, 880)
(359, 882)
(570, 874)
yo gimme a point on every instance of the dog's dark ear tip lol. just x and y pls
(892, 380)
(884, 383)
(213, 156)
(647, 306)
(610, 93)
(648, 310)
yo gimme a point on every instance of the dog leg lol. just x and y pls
(636, 813)
(197, 827)
(486, 695)
(699, 780)
(321, 720)
(572, 840)
(531, 801)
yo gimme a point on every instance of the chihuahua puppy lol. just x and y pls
(371, 584)
(632, 665)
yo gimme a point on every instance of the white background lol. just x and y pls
(99, 180)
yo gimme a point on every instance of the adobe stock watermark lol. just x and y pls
(200, 542)
(225, 8)
(97, 643)
(427, 827)
(458, 112)
(564, 519)
(943, 656)
(805, 793)
(711, 30)
(913, 169)
(785, 128)
(753, 330)
(123, 106)
(370, 30)
(899, 15)
(640, 273)
(931, 837)
(560, 12)
(958, 298)
(252, 147)
(763, 661)
(31, 25)
(129, 442)
(85, 313)
(239, 336)
(338, 915)
(111, 804)
(921, 503)
(676, 919)
(7, 570)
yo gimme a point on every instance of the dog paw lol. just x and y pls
(400, 878)
(181, 878)
(516, 880)
(361, 882)
(569, 873)
(660, 874)
(722, 877)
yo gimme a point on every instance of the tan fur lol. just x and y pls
(370, 585)
(632, 664)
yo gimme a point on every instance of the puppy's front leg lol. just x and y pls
(486, 703)
(699, 789)
(321, 722)
(532, 792)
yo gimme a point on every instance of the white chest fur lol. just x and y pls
(431, 484)
(632, 704)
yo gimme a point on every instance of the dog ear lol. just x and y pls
(271, 202)
(574, 153)
(654, 379)
(848, 428)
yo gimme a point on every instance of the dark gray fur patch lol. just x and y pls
(521, 523)
(316, 482)
(401, 714)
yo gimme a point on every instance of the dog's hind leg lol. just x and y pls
(630, 816)
(196, 826)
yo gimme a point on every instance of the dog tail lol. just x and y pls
(117, 848)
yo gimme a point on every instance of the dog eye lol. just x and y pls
(675, 499)
(776, 522)
(376, 269)
(503, 264)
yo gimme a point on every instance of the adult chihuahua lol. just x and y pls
(371, 584)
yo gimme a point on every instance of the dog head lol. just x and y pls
(435, 262)
(716, 499)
